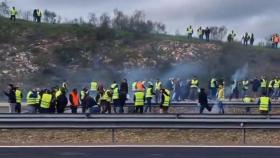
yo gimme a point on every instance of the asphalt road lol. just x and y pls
(155, 152)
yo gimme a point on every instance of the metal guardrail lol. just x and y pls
(165, 121)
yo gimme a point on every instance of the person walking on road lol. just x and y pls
(220, 99)
(203, 101)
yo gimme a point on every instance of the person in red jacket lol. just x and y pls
(74, 100)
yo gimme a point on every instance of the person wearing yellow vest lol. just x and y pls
(116, 96)
(74, 100)
(105, 101)
(220, 99)
(190, 32)
(31, 100)
(149, 96)
(46, 101)
(165, 102)
(194, 88)
(13, 13)
(139, 101)
(247, 100)
(276, 88)
(93, 86)
(245, 87)
(39, 15)
(213, 88)
(263, 82)
(200, 32)
(157, 87)
(18, 100)
(270, 88)
(83, 94)
(264, 104)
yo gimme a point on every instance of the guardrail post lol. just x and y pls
(244, 136)
(113, 136)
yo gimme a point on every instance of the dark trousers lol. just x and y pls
(121, 104)
(149, 105)
(39, 19)
(203, 106)
(207, 38)
(263, 112)
(13, 17)
(139, 109)
(44, 111)
(106, 108)
(18, 108)
(74, 109)
(116, 105)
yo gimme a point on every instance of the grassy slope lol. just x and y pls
(77, 52)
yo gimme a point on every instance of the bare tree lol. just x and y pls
(49, 16)
(92, 19)
(4, 9)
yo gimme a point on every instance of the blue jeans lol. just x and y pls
(221, 107)
(149, 105)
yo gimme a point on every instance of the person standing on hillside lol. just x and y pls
(39, 15)
(207, 34)
(35, 16)
(13, 13)
(190, 32)
(252, 39)
(200, 33)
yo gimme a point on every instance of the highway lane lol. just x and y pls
(139, 152)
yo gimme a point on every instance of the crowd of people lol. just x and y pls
(97, 98)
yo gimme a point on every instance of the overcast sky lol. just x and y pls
(258, 16)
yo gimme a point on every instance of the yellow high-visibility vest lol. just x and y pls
(263, 83)
(264, 103)
(13, 12)
(46, 101)
(157, 85)
(212, 83)
(194, 83)
(276, 84)
(29, 100)
(149, 93)
(18, 96)
(93, 86)
(166, 102)
(139, 98)
(116, 93)
(247, 100)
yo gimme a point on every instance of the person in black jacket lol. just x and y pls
(11, 94)
(61, 102)
(203, 101)
(123, 94)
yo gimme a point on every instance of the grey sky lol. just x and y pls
(258, 16)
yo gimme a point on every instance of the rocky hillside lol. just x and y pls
(42, 55)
